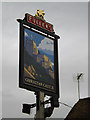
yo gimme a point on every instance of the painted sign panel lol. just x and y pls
(38, 61)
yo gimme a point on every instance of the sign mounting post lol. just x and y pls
(39, 106)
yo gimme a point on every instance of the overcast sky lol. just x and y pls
(70, 22)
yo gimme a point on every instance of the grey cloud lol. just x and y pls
(70, 21)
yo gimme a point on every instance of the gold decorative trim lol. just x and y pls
(40, 14)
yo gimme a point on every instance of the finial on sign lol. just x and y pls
(40, 14)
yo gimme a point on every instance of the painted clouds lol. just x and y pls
(47, 44)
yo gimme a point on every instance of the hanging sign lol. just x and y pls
(38, 61)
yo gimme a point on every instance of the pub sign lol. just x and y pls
(38, 55)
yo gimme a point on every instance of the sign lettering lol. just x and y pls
(38, 22)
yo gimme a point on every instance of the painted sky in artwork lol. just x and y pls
(34, 36)
(44, 45)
